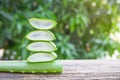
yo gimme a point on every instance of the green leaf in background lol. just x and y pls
(83, 30)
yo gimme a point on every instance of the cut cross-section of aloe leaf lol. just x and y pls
(41, 36)
(42, 23)
(42, 47)
(25, 67)
(42, 57)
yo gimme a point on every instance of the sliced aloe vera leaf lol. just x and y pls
(43, 24)
(25, 67)
(42, 47)
(42, 57)
(41, 36)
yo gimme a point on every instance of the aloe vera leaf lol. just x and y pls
(42, 47)
(43, 24)
(41, 36)
(25, 67)
(42, 57)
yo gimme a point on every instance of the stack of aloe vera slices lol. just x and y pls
(42, 59)
(42, 47)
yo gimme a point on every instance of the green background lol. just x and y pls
(87, 29)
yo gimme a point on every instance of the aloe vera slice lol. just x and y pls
(25, 67)
(42, 47)
(42, 57)
(43, 24)
(41, 36)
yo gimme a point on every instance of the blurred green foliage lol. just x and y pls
(82, 32)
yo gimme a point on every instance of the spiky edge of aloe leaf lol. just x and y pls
(55, 48)
(54, 23)
(53, 54)
(41, 40)
(25, 67)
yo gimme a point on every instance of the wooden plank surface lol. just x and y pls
(75, 70)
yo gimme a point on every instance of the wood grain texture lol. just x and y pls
(75, 70)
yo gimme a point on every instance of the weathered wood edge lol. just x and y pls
(75, 70)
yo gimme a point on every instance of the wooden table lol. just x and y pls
(75, 70)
